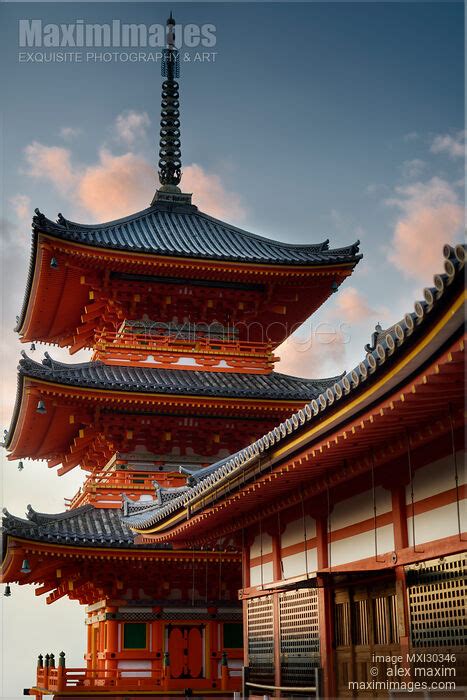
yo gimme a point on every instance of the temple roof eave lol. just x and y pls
(153, 384)
(135, 236)
(86, 526)
(204, 237)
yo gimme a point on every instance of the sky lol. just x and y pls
(306, 121)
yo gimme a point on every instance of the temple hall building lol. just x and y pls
(351, 517)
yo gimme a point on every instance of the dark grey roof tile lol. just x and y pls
(85, 526)
(273, 386)
(187, 232)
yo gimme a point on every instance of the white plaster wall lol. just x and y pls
(437, 523)
(360, 507)
(293, 533)
(362, 546)
(255, 549)
(436, 477)
(294, 565)
(255, 574)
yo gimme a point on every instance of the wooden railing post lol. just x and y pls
(40, 671)
(46, 670)
(61, 672)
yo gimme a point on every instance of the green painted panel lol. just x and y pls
(134, 635)
(233, 635)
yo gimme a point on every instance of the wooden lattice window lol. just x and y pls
(361, 618)
(299, 636)
(437, 592)
(385, 620)
(343, 628)
(261, 639)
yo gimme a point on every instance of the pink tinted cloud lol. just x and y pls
(430, 216)
(51, 163)
(210, 195)
(352, 307)
(21, 205)
(116, 186)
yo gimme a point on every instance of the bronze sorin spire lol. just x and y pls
(170, 163)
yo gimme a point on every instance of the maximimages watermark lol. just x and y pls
(46, 42)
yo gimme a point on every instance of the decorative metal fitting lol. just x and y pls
(41, 407)
(170, 164)
(25, 568)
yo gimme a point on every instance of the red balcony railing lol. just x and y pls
(162, 350)
(106, 488)
(61, 679)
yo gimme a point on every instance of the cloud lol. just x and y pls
(451, 144)
(21, 205)
(116, 186)
(413, 168)
(52, 163)
(376, 188)
(131, 126)
(411, 136)
(68, 133)
(320, 353)
(352, 307)
(430, 215)
(209, 193)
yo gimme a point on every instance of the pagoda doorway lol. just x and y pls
(185, 644)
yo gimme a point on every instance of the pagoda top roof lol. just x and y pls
(181, 230)
(156, 380)
(386, 348)
(87, 525)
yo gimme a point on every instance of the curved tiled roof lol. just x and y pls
(86, 525)
(387, 346)
(184, 231)
(275, 386)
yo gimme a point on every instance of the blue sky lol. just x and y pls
(316, 120)
(308, 114)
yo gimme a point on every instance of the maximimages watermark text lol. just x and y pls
(58, 42)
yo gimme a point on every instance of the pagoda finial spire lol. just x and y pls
(170, 163)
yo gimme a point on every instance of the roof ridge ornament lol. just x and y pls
(170, 163)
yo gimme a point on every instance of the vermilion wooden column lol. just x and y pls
(248, 538)
(89, 646)
(111, 647)
(399, 517)
(401, 541)
(325, 602)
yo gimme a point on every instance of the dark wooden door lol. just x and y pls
(365, 624)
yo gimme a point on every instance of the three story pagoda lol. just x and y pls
(183, 314)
